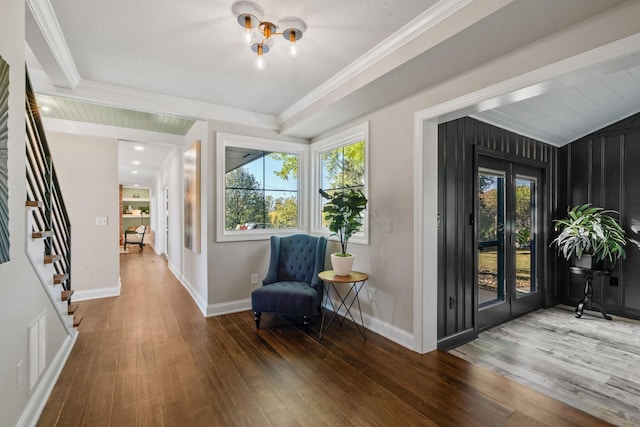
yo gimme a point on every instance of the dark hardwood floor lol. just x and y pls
(150, 358)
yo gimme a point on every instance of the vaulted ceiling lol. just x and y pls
(185, 61)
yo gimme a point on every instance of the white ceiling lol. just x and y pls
(139, 162)
(567, 114)
(186, 59)
(193, 49)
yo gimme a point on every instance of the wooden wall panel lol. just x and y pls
(629, 282)
(604, 170)
(458, 141)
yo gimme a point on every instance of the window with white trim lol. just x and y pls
(259, 187)
(339, 162)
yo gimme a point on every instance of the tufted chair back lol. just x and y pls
(292, 285)
(296, 258)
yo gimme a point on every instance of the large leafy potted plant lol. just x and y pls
(590, 235)
(343, 212)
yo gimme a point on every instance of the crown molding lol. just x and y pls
(422, 23)
(45, 17)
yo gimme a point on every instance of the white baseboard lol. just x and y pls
(228, 307)
(197, 298)
(80, 295)
(42, 392)
(389, 331)
(174, 270)
(380, 327)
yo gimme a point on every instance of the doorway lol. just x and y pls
(507, 257)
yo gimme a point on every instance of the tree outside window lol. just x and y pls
(263, 193)
(342, 168)
(338, 162)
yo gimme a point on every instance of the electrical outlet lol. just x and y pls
(254, 279)
(19, 374)
(372, 293)
(102, 220)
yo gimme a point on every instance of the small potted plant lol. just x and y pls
(590, 235)
(343, 211)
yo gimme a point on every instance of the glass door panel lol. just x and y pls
(507, 255)
(490, 237)
(525, 222)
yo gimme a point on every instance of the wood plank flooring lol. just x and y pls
(149, 358)
(589, 363)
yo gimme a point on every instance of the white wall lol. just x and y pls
(387, 259)
(194, 264)
(22, 297)
(170, 176)
(231, 264)
(190, 267)
(87, 169)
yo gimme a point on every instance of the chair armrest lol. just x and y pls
(321, 247)
(272, 274)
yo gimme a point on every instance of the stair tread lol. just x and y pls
(34, 204)
(76, 321)
(66, 294)
(59, 278)
(41, 234)
(50, 259)
(71, 309)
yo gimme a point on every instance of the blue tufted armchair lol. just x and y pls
(292, 285)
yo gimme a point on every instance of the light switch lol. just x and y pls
(102, 220)
(389, 226)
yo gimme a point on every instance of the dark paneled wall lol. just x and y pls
(458, 142)
(604, 169)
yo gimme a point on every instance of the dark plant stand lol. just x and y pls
(587, 301)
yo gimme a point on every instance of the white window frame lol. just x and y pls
(224, 140)
(341, 139)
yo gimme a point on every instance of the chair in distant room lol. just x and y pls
(135, 237)
(292, 286)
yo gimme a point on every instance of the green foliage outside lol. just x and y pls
(285, 213)
(489, 230)
(488, 268)
(344, 166)
(246, 202)
(488, 210)
(244, 199)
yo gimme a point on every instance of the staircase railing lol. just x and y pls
(43, 187)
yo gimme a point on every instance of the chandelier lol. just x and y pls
(258, 34)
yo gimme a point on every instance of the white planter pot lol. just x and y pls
(342, 264)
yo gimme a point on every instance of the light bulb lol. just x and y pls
(260, 62)
(293, 49)
(247, 36)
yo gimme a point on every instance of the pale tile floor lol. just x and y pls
(589, 363)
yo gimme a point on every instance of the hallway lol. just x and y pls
(149, 358)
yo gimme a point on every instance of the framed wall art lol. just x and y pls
(4, 157)
(191, 165)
